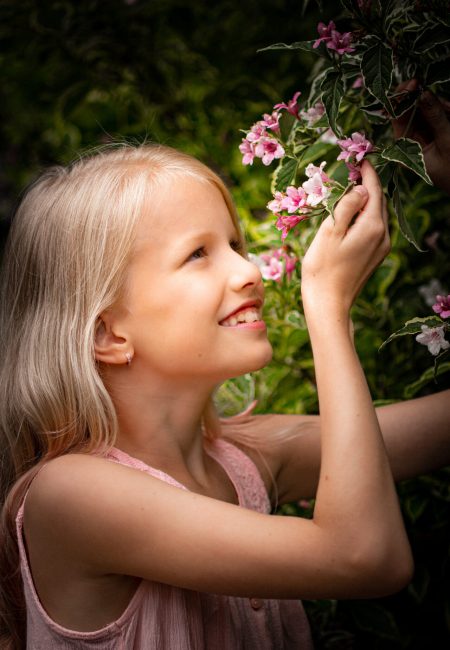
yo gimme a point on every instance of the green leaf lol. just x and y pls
(332, 92)
(424, 379)
(376, 67)
(306, 46)
(413, 326)
(284, 174)
(385, 173)
(408, 153)
(429, 38)
(403, 223)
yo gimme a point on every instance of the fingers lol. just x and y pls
(350, 204)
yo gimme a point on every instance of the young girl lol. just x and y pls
(133, 518)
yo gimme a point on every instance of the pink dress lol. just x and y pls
(161, 617)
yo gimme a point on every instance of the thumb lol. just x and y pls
(434, 114)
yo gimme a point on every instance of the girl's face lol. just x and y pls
(189, 288)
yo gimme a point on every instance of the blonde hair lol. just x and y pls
(65, 261)
(64, 264)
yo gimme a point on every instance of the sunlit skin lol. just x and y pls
(185, 278)
(187, 275)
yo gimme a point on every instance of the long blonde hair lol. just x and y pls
(64, 264)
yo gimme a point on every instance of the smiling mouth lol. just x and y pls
(247, 315)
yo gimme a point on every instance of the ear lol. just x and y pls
(111, 344)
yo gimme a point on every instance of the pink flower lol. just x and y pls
(276, 263)
(271, 121)
(291, 107)
(312, 169)
(267, 149)
(294, 200)
(341, 43)
(442, 306)
(285, 223)
(257, 132)
(313, 114)
(248, 151)
(433, 338)
(353, 151)
(354, 172)
(315, 187)
(359, 82)
(275, 205)
(273, 269)
(324, 32)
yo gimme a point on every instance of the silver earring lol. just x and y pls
(128, 358)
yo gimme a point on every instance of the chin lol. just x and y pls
(258, 362)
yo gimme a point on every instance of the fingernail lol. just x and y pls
(411, 85)
(360, 189)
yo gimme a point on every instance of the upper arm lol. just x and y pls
(113, 519)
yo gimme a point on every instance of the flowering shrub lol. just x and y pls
(347, 115)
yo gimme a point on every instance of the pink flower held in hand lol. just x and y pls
(433, 338)
(354, 172)
(324, 32)
(291, 107)
(267, 149)
(360, 146)
(442, 306)
(341, 43)
(248, 151)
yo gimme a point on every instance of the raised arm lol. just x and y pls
(87, 512)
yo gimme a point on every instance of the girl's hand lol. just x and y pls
(346, 250)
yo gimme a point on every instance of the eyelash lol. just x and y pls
(200, 252)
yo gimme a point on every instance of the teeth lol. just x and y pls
(246, 316)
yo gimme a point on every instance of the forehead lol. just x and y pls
(180, 207)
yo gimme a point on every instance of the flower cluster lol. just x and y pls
(433, 337)
(334, 40)
(261, 144)
(298, 201)
(353, 151)
(275, 264)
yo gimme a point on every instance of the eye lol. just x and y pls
(197, 254)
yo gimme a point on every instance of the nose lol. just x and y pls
(243, 273)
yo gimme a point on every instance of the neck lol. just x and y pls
(160, 421)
